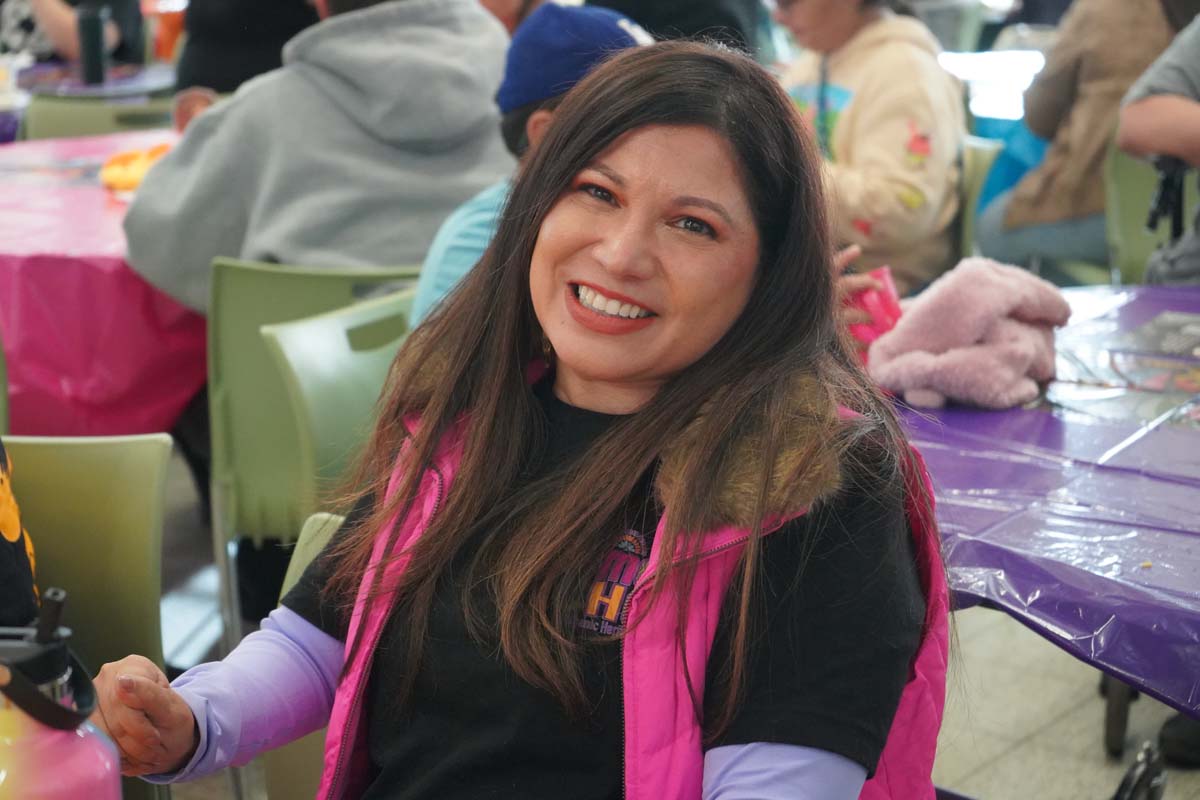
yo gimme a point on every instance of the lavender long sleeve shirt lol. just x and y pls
(278, 685)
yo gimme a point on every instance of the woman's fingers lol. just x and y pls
(845, 257)
(141, 713)
(856, 316)
(850, 285)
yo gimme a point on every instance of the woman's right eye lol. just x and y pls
(598, 192)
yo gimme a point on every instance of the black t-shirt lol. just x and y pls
(18, 602)
(843, 613)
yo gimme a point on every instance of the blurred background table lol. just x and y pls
(1080, 515)
(124, 80)
(92, 349)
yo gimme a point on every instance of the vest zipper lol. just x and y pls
(356, 704)
(641, 584)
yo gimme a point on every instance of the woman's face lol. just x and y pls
(820, 25)
(643, 264)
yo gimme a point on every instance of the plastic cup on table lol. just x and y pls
(882, 304)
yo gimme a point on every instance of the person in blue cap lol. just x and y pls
(551, 51)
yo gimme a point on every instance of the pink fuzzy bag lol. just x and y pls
(981, 334)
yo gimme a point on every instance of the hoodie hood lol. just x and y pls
(397, 69)
(890, 29)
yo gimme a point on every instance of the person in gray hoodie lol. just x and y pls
(380, 122)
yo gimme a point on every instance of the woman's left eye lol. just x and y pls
(693, 225)
(598, 192)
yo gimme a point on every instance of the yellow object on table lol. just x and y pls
(124, 171)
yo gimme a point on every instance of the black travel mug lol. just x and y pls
(93, 55)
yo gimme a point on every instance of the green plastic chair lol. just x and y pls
(978, 155)
(61, 117)
(334, 366)
(256, 471)
(1129, 186)
(94, 508)
(294, 770)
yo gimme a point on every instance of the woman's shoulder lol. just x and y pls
(863, 525)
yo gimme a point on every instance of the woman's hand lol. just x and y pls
(150, 723)
(849, 285)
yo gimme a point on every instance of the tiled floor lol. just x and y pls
(1023, 720)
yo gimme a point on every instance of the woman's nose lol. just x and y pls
(627, 247)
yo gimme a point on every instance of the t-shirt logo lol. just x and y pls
(608, 601)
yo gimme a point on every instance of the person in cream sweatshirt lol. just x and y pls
(890, 122)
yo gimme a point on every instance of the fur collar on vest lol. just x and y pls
(806, 469)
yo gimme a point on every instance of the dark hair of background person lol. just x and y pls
(899, 6)
(346, 6)
(468, 361)
(1180, 13)
(231, 41)
(730, 22)
(512, 124)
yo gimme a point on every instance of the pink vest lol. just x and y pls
(664, 758)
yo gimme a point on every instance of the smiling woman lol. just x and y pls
(632, 523)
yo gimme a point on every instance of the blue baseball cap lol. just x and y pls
(556, 46)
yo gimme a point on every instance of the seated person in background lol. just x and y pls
(18, 596)
(731, 22)
(1038, 12)
(1056, 211)
(1161, 117)
(554, 48)
(890, 123)
(47, 29)
(231, 41)
(380, 123)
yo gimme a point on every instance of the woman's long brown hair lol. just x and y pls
(534, 546)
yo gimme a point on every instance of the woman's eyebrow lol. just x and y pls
(608, 172)
(711, 205)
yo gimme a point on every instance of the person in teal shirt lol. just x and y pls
(552, 50)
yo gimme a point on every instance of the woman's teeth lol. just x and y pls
(590, 298)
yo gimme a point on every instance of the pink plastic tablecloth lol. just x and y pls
(92, 349)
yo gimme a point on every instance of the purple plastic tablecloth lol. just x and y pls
(1080, 516)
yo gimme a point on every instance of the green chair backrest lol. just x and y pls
(3, 392)
(59, 117)
(978, 155)
(334, 366)
(1129, 186)
(256, 472)
(294, 770)
(94, 509)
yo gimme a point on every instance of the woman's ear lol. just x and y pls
(537, 125)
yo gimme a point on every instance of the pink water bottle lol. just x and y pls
(48, 749)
